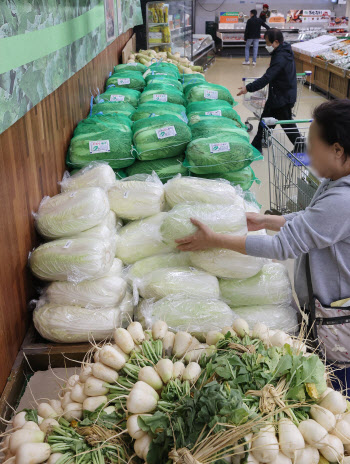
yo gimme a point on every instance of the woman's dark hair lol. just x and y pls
(253, 12)
(333, 121)
(274, 34)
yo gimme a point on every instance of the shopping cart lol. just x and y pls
(255, 101)
(291, 181)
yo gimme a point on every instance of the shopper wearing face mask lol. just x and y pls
(282, 80)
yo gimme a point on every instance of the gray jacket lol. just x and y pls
(323, 231)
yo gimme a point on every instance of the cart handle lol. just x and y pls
(272, 121)
(306, 73)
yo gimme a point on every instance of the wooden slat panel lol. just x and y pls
(322, 78)
(32, 161)
(338, 86)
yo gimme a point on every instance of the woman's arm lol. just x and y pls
(256, 221)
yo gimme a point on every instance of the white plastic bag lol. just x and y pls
(145, 266)
(276, 317)
(69, 213)
(94, 175)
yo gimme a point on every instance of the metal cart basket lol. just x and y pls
(291, 181)
(255, 101)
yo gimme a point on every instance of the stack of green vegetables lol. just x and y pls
(244, 396)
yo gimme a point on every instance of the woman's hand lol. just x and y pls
(255, 221)
(242, 91)
(202, 239)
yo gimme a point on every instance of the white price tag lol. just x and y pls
(166, 132)
(124, 81)
(161, 97)
(68, 244)
(117, 98)
(132, 64)
(211, 94)
(213, 113)
(100, 146)
(219, 147)
(125, 194)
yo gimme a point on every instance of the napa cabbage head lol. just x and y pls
(145, 266)
(275, 317)
(93, 175)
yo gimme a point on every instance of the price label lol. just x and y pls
(219, 147)
(68, 244)
(166, 132)
(213, 113)
(161, 97)
(211, 94)
(132, 64)
(99, 146)
(124, 81)
(117, 98)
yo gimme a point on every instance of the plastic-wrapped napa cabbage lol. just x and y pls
(102, 138)
(192, 78)
(219, 155)
(183, 313)
(206, 91)
(107, 291)
(119, 94)
(276, 317)
(226, 263)
(163, 69)
(120, 68)
(93, 175)
(164, 168)
(140, 239)
(137, 197)
(178, 280)
(244, 178)
(220, 218)
(207, 126)
(167, 80)
(74, 259)
(216, 108)
(193, 189)
(128, 80)
(160, 137)
(162, 93)
(167, 260)
(157, 108)
(270, 286)
(108, 107)
(69, 213)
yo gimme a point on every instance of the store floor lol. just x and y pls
(230, 72)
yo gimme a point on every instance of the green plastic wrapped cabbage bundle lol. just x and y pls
(108, 107)
(243, 178)
(206, 91)
(167, 80)
(164, 168)
(119, 94)
(207, 126)
(121, 68)
(183, 313)
(162, 93)
(157, 108)
(163, 68)
(102, 138)
(217, 108)
(220, 154)
(230, 219)
(127, 80)
(160, 137)
(189, 78)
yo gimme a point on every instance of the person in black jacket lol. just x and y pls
(282, 80)
(252, 35)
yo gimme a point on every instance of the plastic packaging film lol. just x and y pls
(94, 174)
(128, 79)
(207, 91)
(207, 126)
(276, 317)
(152, 263)
(217, 108)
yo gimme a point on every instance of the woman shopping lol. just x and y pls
(317, 238)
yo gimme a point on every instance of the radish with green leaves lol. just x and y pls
(334, 450)
(124, 340)
(290, 438)
(314, 434)
(182, 343)
(178, 370)
(105, 373)
(133, 427)
(335, 402)
(241, 327)
(168, 344)
(136, 331)
(150, 376)
(159, 330)
(33, 453)
(265, 445)
(323, 417)
(164, 367)
(142, 398)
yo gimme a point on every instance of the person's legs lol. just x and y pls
(255, 49)
(291, 130)
(257, 142)
(247, 49)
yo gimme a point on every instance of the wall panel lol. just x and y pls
(32, 161)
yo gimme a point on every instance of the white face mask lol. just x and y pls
(269, 48)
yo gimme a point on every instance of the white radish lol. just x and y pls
(228, 329)
(48, 424)
(66, 400)
(120, 351)
(213, 337)
(178, 370)
(133, 427)
(308, 455)
(56, 406)
(149, 375)
(142, 399)
(325, 393)
(280, 338)
(195, 354)
(323, 417)
(251, 459)
(136, 331)
(102, 372)
(182, 342)
(30, 425)
(73, 411)
(109, 410)
(141, 446)
(124, 340)
(19, 420)
(299, 346)
(94, 402)
(265, 445)
(290, 438)
(159, 330)
(95, 387)
(241, 327)
(164, 367)
(77, 394)
(192, 372)
(54, 458)
(33, 453)
(97, 356)
(281, 459)
(24, 436)
(260, 331)
(86, 372)
(46, 411)
(168, 343)
(335, 402)
(239, 453)
(314, 434)
(72, 380)
(334, 450)
(342, 431)
(111, 358)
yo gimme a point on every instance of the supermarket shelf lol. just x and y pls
(158, 24)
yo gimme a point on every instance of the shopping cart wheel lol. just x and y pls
(249, 126)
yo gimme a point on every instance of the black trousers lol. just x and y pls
(283, 113)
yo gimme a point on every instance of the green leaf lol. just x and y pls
(155, 423)
(31, 415)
